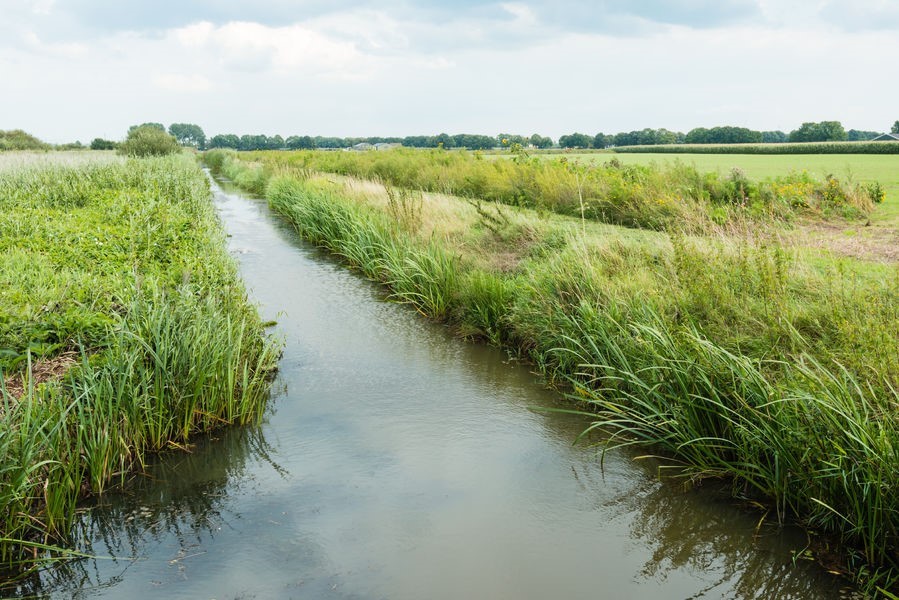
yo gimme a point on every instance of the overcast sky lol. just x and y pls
(79, 69)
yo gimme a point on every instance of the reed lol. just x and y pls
(670, 197)
(730, 358)
(122, 265)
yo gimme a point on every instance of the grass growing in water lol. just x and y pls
(736, 358)
(122, 265)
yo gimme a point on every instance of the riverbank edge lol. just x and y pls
(648, 383)
(184, 354)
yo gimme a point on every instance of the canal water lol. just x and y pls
(398, 462)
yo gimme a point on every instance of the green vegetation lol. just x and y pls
(729, 354)
(124, 330)
(17, 139)
(188, 134)
(852, 168)
(148, 140)
(675, 196)
(101, 144)
(792, 148)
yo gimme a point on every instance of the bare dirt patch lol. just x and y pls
(42, 370)
(855, 240)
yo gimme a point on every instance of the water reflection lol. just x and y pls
(403, 463)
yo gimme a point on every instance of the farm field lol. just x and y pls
(883, 168)
(124, 331)
(770, 365)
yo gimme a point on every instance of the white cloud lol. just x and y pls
(522, 13)
(253, 47)
(33, 42)
(176, 82)
(373, 72)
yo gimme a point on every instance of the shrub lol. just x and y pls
(17, 139)
(148, 141)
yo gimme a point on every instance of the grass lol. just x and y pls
(669, 197)
(733, 356)
(124, 331)
(865, 168)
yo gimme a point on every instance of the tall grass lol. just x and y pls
(124, 264)
(731, 359)
(674, 197)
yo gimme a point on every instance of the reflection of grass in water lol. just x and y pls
(737, 357)
(122, 265)
(179, 496)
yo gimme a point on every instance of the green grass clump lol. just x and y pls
(121, 269)
(733, 357)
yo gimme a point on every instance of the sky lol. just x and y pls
(80, 69)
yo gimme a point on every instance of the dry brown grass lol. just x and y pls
(42, 371)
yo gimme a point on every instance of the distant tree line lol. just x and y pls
(468, 141)
(824, 131)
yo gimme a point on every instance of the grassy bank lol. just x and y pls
(733, 357)
(856, 168)
(671, 196)
(124, 330)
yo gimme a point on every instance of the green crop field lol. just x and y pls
(883, 168)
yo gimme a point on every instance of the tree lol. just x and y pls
(723, 135)
(16, 139)
(148, 141)
(856, 135)
(895, 128)
(444, 140)
(101, 144)
(575, 140)
(825, 131)
(542, 142)
(226, 140)
(188, 134)
(296, 142)
(601, 140)
(158, 126)
(774, 137)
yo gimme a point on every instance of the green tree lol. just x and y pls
(148, 141)
(188, 134)
(895, 128)
(825, 131)
(101, 144)
(575, 140)
(158, 126)
(297, 142)
(225, 140)
(856, 135)
(539, 141)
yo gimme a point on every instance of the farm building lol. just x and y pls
(887, 137)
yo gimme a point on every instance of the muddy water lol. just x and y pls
(397, 462)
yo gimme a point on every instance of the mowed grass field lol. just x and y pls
(882, 168)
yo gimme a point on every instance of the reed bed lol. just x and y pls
(121, 268)
(731, 358)
(669, 197)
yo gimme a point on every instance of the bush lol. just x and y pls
(148, 141)
(17, 139)
(101, 144)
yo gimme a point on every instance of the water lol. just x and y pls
(398, 462)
